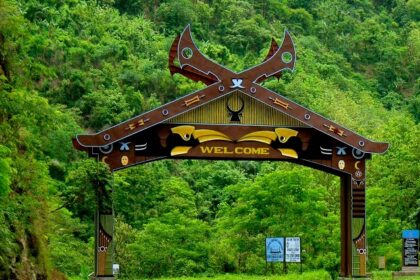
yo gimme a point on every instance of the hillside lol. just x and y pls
(71, 66)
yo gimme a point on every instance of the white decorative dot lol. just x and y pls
(102, 249)
(187, 53)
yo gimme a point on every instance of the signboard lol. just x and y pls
(274, 249)
(410, 247)
(381, 262)
(292, 249)
(115, 269)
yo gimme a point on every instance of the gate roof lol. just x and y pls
(222, 84)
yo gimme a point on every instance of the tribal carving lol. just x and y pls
(104, 240)
(202, 135)
(186, 59)
(136, 124)
(235, 116)
(191, 136)
(194, 65)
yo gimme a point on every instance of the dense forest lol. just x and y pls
(70, 66)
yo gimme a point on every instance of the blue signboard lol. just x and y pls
(274, 249)
(411, 233)
(410, 247)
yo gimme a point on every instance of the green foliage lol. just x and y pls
(73, 65)
(84, 179)
(136, 192)
(395, 189)
(176, 14)
(71, 255)
(153, 248)
(270, 206)
(155, 254)
(34, 135)
(5, 171)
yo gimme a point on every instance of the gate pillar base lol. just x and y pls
(346, 243)
(104, 234)
(353, 226)
(104, 249)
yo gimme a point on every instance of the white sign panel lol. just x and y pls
(115, 268)
(292, 249)
(274, 249)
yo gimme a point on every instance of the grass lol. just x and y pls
(387, 275)
(314, 275)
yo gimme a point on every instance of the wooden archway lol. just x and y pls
(235, 117)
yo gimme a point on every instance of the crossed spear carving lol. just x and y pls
(194, 65)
